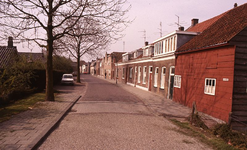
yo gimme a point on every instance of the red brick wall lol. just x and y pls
(194, 68)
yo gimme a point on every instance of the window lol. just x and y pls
(139, 74)
(177, 81)
(171, 44)
(123, 73)
(144, 74)
(156, 76)
(130, 73)
(162, 80)
(168, 45)
(210, 85)
(174, 43)
(150, 69)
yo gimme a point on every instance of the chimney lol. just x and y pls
(181, 28)
(10, 42)
(146, 43)
(235, 5)
(194, 22)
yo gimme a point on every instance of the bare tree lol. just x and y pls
(89, 36)
(45, 21)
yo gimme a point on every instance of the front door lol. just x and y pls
(171, 82)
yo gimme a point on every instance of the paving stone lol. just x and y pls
(24, 129)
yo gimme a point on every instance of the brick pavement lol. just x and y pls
(160, 105)
(25, 130)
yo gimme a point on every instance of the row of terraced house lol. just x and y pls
(205, 64)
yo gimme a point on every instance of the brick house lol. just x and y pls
(109, 64)
(8, 54)
(211, 69)
(154, 68)
(98, 66)
(92, 67)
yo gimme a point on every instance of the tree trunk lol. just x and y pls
(49, 74)
(49, 65)
(78, 70)
(78, 61)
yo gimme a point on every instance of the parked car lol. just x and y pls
(67, 79)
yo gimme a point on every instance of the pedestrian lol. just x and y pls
(105, 75)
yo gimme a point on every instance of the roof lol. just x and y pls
(218, 30)
(117, 55)
(33, 56)
(200, 27)
(6, 55)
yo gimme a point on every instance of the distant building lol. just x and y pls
(8, 54)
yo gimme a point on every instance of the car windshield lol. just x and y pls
(67, 76)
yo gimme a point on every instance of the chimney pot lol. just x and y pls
(235, 5)
(10, 42)
(146, 43)
(181, 28)
(194, 22)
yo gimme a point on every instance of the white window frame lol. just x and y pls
(177, 81)
(162, 78)
(130, 73)
(139, 74)
(123, 73)
(210, 86)
(144, 74)
(156, 76)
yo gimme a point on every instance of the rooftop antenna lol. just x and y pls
(177, 23)
(160, 29)
(123, 46)
(144, 35)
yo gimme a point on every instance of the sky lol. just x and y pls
(147, 15)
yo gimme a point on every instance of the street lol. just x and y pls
(108, 117)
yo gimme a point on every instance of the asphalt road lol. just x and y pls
(110, 118)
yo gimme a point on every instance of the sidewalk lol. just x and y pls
(25, 130)
(160, 105)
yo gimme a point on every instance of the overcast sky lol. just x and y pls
(149, 13)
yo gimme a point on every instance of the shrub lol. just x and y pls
(234, 138)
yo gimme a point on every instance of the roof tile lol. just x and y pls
(221, 29)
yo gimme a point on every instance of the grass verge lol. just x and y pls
(205, 136)
(6, 112)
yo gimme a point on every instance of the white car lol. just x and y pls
(67, 79)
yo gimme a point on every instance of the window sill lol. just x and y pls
(209, 94)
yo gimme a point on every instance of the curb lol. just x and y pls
(40, 139)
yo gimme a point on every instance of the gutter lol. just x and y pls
(204, 48)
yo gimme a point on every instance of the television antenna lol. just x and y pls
(160, 29)
(177, 23)
(144, 35)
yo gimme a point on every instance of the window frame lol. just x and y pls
(156, 75)
(131, 72)
(123, 73)
(177, 81)
(162, 86)
(207, 87)
(139, 74)
(144, 75)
